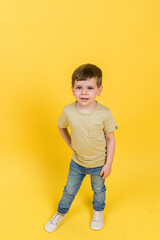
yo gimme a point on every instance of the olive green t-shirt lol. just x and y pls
(88, 133)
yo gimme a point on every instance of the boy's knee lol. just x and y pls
(70, 191)
(98, 184)
(98, 189)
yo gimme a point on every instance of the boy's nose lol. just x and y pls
(84, 91)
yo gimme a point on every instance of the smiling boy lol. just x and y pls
(92, 142)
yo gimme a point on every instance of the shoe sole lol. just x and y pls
(96, 228)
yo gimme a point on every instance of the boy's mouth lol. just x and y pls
(84, 99)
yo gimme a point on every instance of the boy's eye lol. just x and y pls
(81, 88)
(90, 88)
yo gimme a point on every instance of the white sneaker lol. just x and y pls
(53, 223)
(97, 220)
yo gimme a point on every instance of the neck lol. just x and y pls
(86, 109)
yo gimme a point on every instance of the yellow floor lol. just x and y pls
(41, 44)
(31, 189)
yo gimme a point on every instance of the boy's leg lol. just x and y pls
(74, 180)
(99, 192)
(99, 189)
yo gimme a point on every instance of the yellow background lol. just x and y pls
(41, 44)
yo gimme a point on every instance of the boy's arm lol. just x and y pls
(110, 142)
(66, 136)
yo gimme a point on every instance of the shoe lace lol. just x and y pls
(55, 220)
(97, 216)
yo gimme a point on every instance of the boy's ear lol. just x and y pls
(99, 90)
(72, 90)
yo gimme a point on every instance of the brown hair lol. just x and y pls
(87, 71)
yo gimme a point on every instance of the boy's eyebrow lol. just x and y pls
(79, 85)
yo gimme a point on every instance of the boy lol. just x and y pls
(92, 141)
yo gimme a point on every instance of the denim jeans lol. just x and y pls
(74, 180)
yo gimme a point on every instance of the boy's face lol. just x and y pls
(86, 91)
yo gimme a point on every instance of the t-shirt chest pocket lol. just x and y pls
(95, 131)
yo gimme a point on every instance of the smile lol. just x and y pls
(84, 99)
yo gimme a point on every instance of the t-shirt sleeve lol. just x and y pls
(62, 120)
(109, 122)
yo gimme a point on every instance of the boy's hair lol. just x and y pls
(87, 71)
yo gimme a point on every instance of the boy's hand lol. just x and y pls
(106, 170)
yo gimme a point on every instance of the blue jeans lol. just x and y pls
(74, 180)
